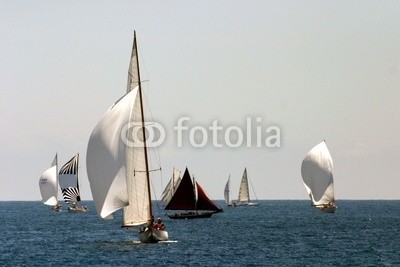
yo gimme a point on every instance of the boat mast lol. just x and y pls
(143, 125)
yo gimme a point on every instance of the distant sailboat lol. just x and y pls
(244, 195)
(117, 167)
(69, 184)
(171, 187)
(227, 189)
(48, 184)
(189, 196)
(316, 171)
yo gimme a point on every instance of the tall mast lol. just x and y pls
(77, 178)
(143, 125)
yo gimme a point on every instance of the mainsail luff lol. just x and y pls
(316, 171)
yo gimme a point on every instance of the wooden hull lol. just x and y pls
(192, 215)
(153, 236)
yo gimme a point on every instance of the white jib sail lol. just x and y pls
(316, 171)
(48, 186)
(114, 173)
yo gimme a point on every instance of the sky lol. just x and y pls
(316, 70)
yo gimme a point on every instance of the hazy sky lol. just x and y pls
(315, 69)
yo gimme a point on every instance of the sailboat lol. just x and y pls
(316, 171)
(69, 184)
(227, 189)
(244, 195)
(48, 184)
(117, 167)
(171, 187)
(191, 197)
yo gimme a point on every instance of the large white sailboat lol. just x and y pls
(244, 194)
(48, 184)
(69, 183)
(118, 167)
(316, 171)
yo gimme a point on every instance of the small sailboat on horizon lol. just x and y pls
(191, 198)
(118, 168)
(69, 183)
(316, 172)
(227, 190)
(244, 194)
(48, 185)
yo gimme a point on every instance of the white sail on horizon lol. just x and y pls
(48, 184)
(316, 171)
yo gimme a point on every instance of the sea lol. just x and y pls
(275, 233)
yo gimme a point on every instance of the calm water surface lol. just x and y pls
(276, 233)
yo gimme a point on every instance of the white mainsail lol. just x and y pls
(48, 184)
(171, 187)
(227, 192)
(316, 171)
(244, 195)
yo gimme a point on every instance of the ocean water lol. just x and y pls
(275, 233)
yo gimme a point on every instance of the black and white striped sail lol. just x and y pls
(316, 171)
(68, 178)
(116, 164)
(48, 185)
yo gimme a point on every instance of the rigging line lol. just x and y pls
(254, 192)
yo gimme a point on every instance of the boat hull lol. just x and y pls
(327, 208)
(192, 215)
(153, 236)
(77, 209)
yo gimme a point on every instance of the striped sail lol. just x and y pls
(48, 185)
(316, 171)
(68, 178)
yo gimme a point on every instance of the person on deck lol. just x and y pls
(159, 225)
